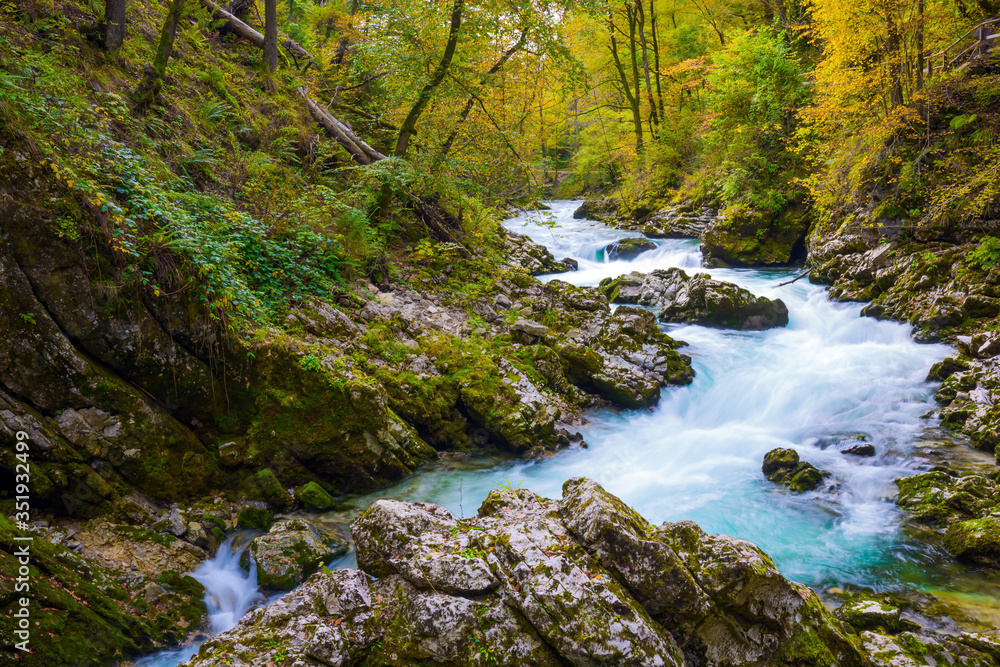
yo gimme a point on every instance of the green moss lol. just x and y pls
(313, 496)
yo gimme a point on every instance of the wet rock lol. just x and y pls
(626, 249)
(741, 236)
(314, 497)
(865, 611)
(917, 650)
(292, 550)
(86, 612)
(783, 466)
(975, 541)
(528, 327)
(697, 300)
(605, 209)
(521, 251)
(941, 498)
(860, 449)
(582, 581)
(136, 549)
(677, 222)
(254, 517)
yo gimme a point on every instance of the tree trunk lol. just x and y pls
(641, 25)
(892, 48)
(359, 150)
(152, 79)
(656, 56)
(633, 51)
(409, 126)
(633, 100)
(271, 35)
(345, 41)
(114, 24)
(247, 32)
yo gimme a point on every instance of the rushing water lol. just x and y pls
(230, 591)
(828, 376)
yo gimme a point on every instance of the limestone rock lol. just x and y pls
(292, 550)
(521, 251)
(530, 581)
(976, 541)
(626, 249)
(697, 300)
(745, 237)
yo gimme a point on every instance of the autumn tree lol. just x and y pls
(271, 35)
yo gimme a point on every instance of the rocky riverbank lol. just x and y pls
(584, 580)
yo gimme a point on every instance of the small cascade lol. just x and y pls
(230, 591)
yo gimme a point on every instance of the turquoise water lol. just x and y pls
(829, 375)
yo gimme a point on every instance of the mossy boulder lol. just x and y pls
(697, 299)
(783, 466)
(292, 550)
(743, 236)
(944, 497)
(626, 249)
(314, 497)
(975, 541)
(255, 518)
(272, 490)
(868, 611)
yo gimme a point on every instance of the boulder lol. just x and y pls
(522, 252)
(605, 209)
(313, 496)
(866, 611)
(292, 550)
(627, 249)
(532, 581)
(742, 236)
(697, 300)
(783, 466)
(975, 541)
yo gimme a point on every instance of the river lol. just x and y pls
(829, 376)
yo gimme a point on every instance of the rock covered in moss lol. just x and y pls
(976, 540)
(742, 236)
(944, 497)
(783, 466)
(682, 221)
(138, 549)
(867, 611)
(313, 496)
(603, 209)
(83, 613)
(292, 550)
(626, 249)
(531, 581)
(909, 649)
(257, 518)
(697, 300)
(521, 251)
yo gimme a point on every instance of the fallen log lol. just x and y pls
(247, 32)
(333, 127)
(796, 278)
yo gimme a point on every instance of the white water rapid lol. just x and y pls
(829, 375)
(229, 592)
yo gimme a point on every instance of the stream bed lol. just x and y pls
(827, 377)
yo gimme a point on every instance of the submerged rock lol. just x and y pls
(628, 248)
(532, 581)
(291, 551)
(697, 300)
(783, 466)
